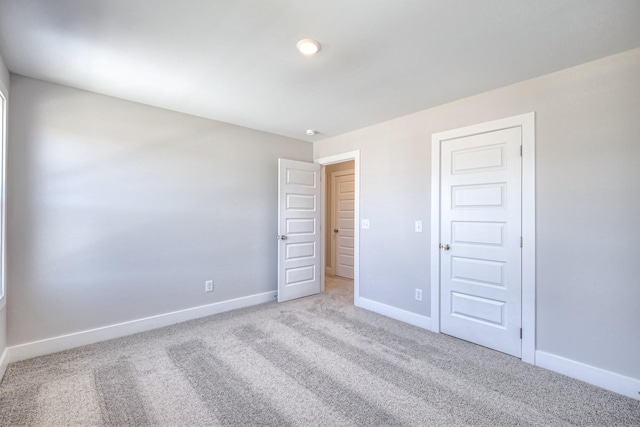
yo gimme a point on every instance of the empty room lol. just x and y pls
(288, 212)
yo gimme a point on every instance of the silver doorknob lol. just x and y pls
(445, 247)
(283, 237)
(335, 230)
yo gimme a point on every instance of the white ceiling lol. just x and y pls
(236, 61)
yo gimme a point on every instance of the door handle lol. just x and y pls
(445, 247)
(335, 230)
(283, 237)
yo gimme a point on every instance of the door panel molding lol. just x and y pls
(527, 124)
(480, 285)
(330, 205)
(335, 219)
(299, 231)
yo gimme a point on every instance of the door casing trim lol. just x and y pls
(527, 123)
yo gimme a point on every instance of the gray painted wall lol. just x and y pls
(119, 211)
(587, 196)
(3, 329)
(4, 73)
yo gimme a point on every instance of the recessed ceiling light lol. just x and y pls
(308, 46)
(311, 132)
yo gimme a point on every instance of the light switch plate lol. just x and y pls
(365, 224)
(418, 226)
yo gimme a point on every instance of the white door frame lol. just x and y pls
(527, 123)
(339, 158)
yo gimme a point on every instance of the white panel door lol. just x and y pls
(480, 236)
(298, 229)
(344, 192)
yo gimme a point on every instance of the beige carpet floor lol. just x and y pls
(316, 361)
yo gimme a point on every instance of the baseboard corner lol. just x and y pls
(396, 313)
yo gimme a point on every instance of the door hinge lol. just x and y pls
(520, 333)
(521, 151)
(520, 241)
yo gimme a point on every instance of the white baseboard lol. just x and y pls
(77, 339)
(617, 383)
(394, 312)
(4, 361)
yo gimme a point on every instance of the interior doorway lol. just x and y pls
(302, 226)
(341, 162)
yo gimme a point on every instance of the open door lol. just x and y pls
(298, 229)
(343, 223)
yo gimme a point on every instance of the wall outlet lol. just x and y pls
(365, 224)
(418, 294)
(208, 286)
